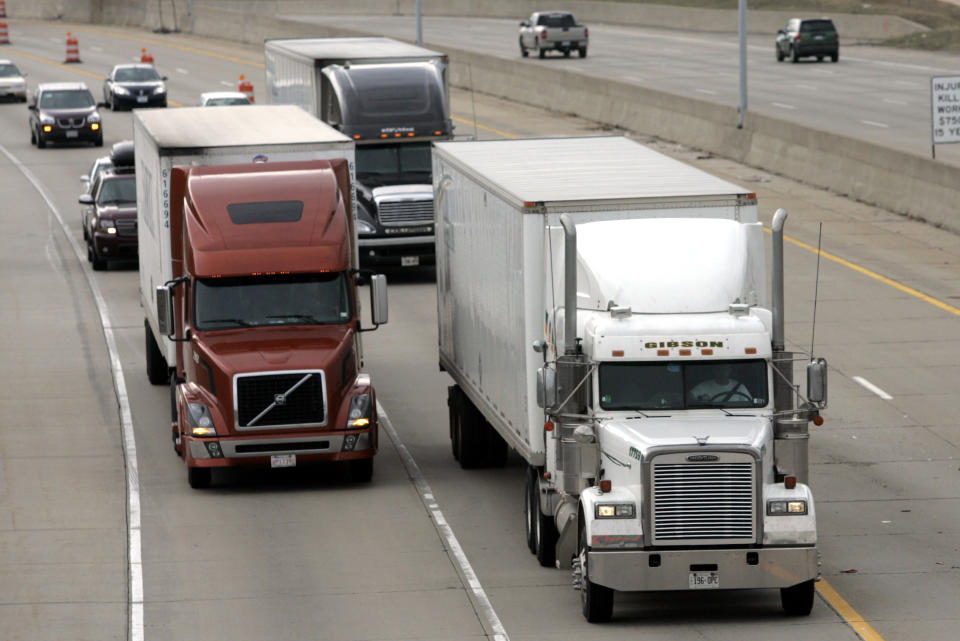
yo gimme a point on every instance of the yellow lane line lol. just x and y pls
(169, 45)
(883, 279)
(863, 629)
(484, 127)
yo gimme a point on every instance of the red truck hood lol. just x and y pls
(265, 349)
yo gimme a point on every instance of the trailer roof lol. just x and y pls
(203, 127)
(372, 48)
(599, 168)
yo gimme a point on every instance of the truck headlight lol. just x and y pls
(201, 422)
(616, 511)
(786, 508)
(360, 412)
(363, 227)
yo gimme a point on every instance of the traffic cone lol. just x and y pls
(73, 48)
(3, 9)
(4, 37)
(245, 87)
(145, 57)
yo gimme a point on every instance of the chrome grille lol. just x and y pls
(406, 212)
(70, 123)
(126, 227)
(279, 400)
(698, 502)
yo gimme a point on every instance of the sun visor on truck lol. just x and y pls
(390, 100)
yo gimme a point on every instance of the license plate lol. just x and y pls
(818, 37)
(409, 261)
(283, 460)
(704, 580)
(72, 134)
(141, 98)
(565, 43)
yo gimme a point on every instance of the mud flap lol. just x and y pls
(567, 541)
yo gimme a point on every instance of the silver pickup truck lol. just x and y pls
(553, 30)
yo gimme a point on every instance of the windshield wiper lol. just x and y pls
(303, 317)
(236, 321)
(709, 406)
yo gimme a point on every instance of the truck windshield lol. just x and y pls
(681, 385)
(394, 164)
(253, 301)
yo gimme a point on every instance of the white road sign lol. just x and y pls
(945, 101)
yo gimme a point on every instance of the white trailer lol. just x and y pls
(198, 136)
(605, 403)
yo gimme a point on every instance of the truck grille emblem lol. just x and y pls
(280, 399)
(701, 458)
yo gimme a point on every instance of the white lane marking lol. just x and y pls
(135, 562)
(226, 84)
(873, 388)
(825, 72)
(782, 105)
(807, 87)
(478, 597)
(94, 48)
(873, 123)
(183, 71)
(895, 102)
(709, 92)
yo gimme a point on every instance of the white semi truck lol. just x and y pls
(604, 313)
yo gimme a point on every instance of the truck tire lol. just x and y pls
(597, 600)
(470, 434)
(797, 600)
(583, 52)
(541, 52)
(523, 50)
(566, 53)
(157, 369)
(530, 508)
(834, 56)
(199, 477)
(545, 534)
(360, 470)
(497, 449)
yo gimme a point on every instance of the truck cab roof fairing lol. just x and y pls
(219, 246)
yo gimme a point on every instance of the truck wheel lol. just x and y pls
(199, 477)
(566, 53)
(530, 508)
(541, 52)
(497, 449)
(583, 52)
(157, 367)
(780, 55)
(453, 407)
(471, 444)
(798, 599)
(834, 56)
(360, 470)
(597, 600)
(545, 534)
(523, 50)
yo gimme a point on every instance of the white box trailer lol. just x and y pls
(602, 309)
(199, 136)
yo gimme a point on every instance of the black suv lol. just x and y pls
(808, 37)
(135, 85)
(64, 112)
(109, 211)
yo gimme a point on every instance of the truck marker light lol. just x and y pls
(548, 426)
(606, 485)
(384, 135)
(818, 420)
(47, 129)
(359, 422)
(397, 135)
(411, 134)
(751, 196)
(617, 352)
(357, 136)
(438, 133)
(750, 350)
(706, 352)
(203, 431)
(547, 475)
(790, 482)
(684, 352)
(529, 204)
(663, 352)
(94, 126)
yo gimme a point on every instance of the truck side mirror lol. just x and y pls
(378, 299)
(86, 199)
(817, 382)
(165, 310)
(546, 387)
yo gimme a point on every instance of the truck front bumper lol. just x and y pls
(257, 451)
(643, 570)
(398, 251)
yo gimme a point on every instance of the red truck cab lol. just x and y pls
(264, 312)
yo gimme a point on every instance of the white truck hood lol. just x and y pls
(633, 438)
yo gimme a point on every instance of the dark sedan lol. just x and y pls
(135, 85)
(110, 217)
(64, 112)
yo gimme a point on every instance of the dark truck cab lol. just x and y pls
(392, 99)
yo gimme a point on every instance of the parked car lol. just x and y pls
(223, 99)
(64, 112)
(109, 210)
(804, 37)
(135, 85)
(553, 30)
(12, 84)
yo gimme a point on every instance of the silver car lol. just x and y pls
(12, 84)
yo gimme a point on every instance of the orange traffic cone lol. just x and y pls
(73, 48)
(145, 57)
(245, 87)
(4, 37)
(3, 9)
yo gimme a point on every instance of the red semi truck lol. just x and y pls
(259, 300)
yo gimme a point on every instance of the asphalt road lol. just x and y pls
(873, 93)
(306, 555)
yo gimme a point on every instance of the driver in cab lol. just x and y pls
(721, 388)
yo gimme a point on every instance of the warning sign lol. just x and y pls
(945, 101)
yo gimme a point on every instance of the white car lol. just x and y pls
(12, 84)
(223, 98)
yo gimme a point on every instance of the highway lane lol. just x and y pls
(294, 554)
(874, 93)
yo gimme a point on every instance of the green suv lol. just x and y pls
(808, 37)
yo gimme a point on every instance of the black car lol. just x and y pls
(804, 37)
(135, 85)
(109, 211)
(64, 112)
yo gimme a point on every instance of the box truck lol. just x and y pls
(392, 99)
(249, 284)
(605, 314)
